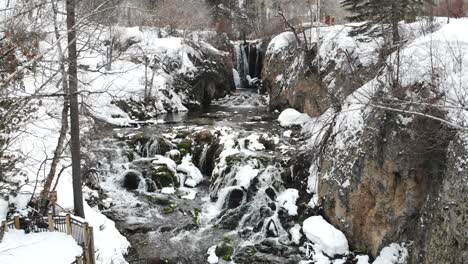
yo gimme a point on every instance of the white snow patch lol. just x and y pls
(168, 190)
(110, 244)
(392, 254)
(245, 175)
(291, 117)
(212, 258)
(362, 259)
(281, 42)
(54, 248)
(287, 200)
(296, 235)
(326, 237)
(194, 176)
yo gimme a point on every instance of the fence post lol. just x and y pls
(91, 245)
(50, 221)
(5, 226)
(79, 260)
(17, 222)
(68, 224)
(86, 243)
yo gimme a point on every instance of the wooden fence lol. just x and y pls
(81, 232)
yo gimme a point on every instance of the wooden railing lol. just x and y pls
(81, 232)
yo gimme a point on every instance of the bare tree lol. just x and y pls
(74, 109)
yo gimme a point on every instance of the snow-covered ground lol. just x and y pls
(54, 248)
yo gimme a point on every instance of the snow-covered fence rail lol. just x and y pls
(77, 228)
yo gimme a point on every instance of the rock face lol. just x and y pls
(444, 239)
(384, 176)
(176, 75)
(377, 188)
(213, 79)
(292, 78)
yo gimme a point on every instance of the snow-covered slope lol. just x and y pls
(395, 153)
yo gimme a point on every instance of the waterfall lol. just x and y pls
(248, 63)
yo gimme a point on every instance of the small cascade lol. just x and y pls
(248, 64)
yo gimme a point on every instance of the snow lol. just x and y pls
(245, 175)
(296, 235)
(287, 133)
(193, 174)
(281, 42)
(54, 248)
(392, 254)
(212, 258)
(190, 194)
(110, 245)
(325, 237)
(3, 209)
(362, 259)
(161, 160)
(254, 143)
(291, 117)
(168, 190)
(287, 200)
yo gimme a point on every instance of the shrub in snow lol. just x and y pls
(325, 237)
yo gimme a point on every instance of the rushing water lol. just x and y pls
(228, 208)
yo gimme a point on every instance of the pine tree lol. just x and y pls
(380, 16)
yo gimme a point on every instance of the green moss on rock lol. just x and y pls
(164, 177)
(185, 147)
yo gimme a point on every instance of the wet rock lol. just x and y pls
(272, 206)
(158, 199)
(169, 209)
(266, 212)
(272, 230)
(185, 147)
(208, 157)
(150, 185)
(287, 221)
(203, 137)
(267, 141)
(267, 253)
(165, 229)
(271, 193)
(230, 219)
(131, 180)
(224, 251)
(164, 177)
(234, 198)
(148, 146)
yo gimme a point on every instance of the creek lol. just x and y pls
(151, 185)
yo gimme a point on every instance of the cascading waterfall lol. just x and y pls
(249, 63)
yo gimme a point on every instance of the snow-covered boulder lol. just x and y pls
(287, 200)
(392, 254)
(192, 174)
(291, 117)
(326, 237)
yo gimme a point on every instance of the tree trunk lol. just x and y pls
(395, 19)
(74, 111)
(64, 128)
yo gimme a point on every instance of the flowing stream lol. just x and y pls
(241, 152)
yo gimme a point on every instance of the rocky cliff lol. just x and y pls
(384, 171)
(292, 76)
